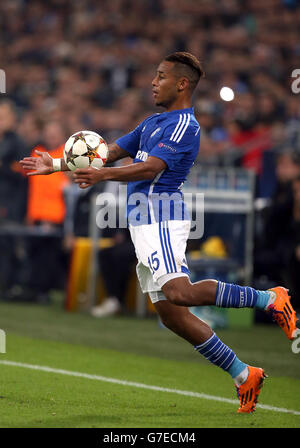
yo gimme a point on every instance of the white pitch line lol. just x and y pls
(142, 386)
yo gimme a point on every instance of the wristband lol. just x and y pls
(56, 165)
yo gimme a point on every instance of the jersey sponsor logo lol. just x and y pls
(142, 155)
(155, 132)
(163, 145)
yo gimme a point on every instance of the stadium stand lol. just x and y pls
(89, 65)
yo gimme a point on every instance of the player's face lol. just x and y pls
(164, 85)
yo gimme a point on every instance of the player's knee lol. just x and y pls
(177, 296)
(185, 295)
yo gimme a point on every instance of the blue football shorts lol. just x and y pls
(160, 249)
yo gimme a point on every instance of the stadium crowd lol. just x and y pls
(89, 65)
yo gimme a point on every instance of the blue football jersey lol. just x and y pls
(173, 137)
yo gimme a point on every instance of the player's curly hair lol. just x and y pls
(186, 64)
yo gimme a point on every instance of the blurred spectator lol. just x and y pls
(30, 129)
(13, 192)
(45, 193)
(13, 182)
(277, 249)
(293, 268)
(287, 169)
(46, 209)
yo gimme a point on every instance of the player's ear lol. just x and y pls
(182, 84)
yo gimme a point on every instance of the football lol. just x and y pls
(84, 149)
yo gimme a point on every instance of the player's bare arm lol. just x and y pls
(115, 152)
(138, 171)
(45, 164)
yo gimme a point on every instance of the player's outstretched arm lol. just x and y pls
(44, 164)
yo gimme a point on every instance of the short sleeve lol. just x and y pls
(173, 146)
(130, 142)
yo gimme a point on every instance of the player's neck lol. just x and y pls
(179, 104)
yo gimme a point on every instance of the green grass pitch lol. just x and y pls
(139, 351)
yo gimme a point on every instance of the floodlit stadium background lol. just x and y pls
(89, 65)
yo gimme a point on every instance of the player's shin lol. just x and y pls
(219, 354)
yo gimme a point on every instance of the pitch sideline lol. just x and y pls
(142, 386)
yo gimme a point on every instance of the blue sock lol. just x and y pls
(234, 296)
(263, 298)
(236, 368)
(215, 351)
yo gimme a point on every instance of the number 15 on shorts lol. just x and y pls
(153, 262)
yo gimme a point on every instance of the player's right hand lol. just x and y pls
(38, 165)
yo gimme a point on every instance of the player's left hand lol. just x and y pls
(87, 177)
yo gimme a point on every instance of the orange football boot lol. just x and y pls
(283, 313)
(248, 391)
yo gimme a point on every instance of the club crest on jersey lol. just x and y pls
(155, 132)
